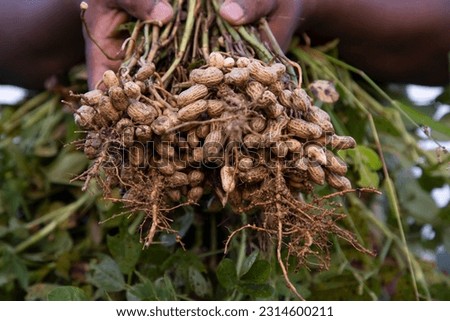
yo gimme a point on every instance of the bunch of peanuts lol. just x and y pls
(223, 130)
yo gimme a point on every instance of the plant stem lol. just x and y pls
(133, 39)
(380, 91)
(184, 41)
(23, 110)
(393, 201)
(61, 214)
(232, 31)
(302, 55)
(242, 246)
(213, 235)
(391, 236)
(276, 47)
(264, 54)
(155, 43)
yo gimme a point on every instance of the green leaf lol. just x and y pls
(164, 289)
(39, 291)
(12, 266)
(256, 290)
(385, 125)
(67, 293)
(248, 262)
(423, 119)
(259, 273)
(444, 120)
(181, 224)
(125, 250)
(58, 244)
(369, 157)
(367, 162)
(182, 260)
(142, 291)
(226, 274)
(65, 167)
(413, 199)
(106, 275)
(199, 284)
(367, 178)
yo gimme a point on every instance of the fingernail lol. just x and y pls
(162, 11)
(232, 12)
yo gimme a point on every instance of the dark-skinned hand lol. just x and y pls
(103, 18)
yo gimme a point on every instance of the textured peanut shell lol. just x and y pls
(335, 164)
(316, 173)
(145, 72)
(143, 133)
(210, 76)
(118, 98)
(227, 174)
(193, 110)
(110, 79)
(196, 177)
(338, 182)
(141, 113)
(107, 111)
(191, 94)
(316, 153)
(178, 179)
(254, 175)
(215, 108)
(195, 193)
(303, 129)
(216, 59)
(132, 90)
(92, 97)
(85, 117)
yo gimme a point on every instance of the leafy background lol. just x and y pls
(58, 243)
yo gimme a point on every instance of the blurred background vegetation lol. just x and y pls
(57, 242)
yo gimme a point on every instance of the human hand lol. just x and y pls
(103, 17)
(283, 16)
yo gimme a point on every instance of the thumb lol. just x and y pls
(238, 12)
(284, 21)
(147, 9)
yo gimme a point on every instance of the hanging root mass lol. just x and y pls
(199, 106)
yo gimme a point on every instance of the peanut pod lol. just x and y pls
(177, 179)
(193, 110)
(303, 129)
(141, 113)
(210, 76)
(227, 177)
(191, 94)
(338, 182)
(118, 98)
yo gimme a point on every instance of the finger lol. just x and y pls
(238, 12)
(159, 10)
(103, 28)
(284, 20)
(97, 63)
(103, 20)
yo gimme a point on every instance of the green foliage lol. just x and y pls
(12, 268)
(66, 293)
(366, 163)
(226, 274)
(106, 275)
(125, 249)
(253, 280)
